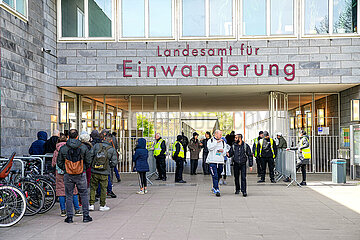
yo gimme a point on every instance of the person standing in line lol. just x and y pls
(240, 153)
(116, 144)
(103, 157)
(74, 158)
(50, 144)
(282, 144)
(217, 150)
(85, 139)
(184, 142)
(195, 149)
(141, 164)
(205, 165)
(38, 146)
(160, 156)
(304, 155)
(256, 154)
(178, 154)
(267, 151)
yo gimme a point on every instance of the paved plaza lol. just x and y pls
(190, 211)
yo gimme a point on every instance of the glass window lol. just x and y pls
(160, 18)
(10, 3)
(133, 18)
(19, 6)
(100, 18)
(193, 15)
(254, 17)
(345, 16)
(316, 17)
(221, 17)
(282, 17)
(71, 21)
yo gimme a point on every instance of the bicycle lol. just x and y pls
(12, 199)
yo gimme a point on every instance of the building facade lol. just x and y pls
(110, 60)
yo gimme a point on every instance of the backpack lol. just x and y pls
(100, 162)
(74, 164)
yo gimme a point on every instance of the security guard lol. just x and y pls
(304, 155)
(159, 154)
(267, 151)
(178, 155)
(256, 155)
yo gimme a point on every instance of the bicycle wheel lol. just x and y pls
(35, 196)
(50, 194)
(12, 205)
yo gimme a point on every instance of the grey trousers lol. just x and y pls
(81, 183)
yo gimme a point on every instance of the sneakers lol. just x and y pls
(104, 208)
(221, 182)
(87, 219)
(213, 190)
(217, 193)
(181, 181)
(119, 180)
(68, 220)
(303, 183)
(244, 194)
(237, 192)
(111, 194)
(63, 213)
(224, 182)
(272, 181)
(141, 192)
(78, 213)
(91, 208)
(261, 181)
(145, 190)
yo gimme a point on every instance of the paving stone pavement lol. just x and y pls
(190, 211)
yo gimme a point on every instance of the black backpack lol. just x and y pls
(100, 162)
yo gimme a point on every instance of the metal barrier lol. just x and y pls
(14, 167)
(152, 166)
(43, 161)
(285, 166)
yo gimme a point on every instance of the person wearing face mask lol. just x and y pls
(267, 151)
(240, 153)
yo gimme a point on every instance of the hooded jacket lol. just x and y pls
(282, 143)
(111, 157)
(50, 144)
(241, 153)
(214, 155)
(140, 157)
(37, 147)
(95, 137)
(73, 143)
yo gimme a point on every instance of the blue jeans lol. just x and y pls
(75, 201)
(215, 171)
(109, 187)
(117, 173)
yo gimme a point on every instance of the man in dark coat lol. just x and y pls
(267, 151)
(37, 147)
(50, 144)
(185, 143)
(205, 153)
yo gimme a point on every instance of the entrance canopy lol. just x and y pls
(213, 98)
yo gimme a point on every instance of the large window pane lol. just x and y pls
(345, 14)
(221, 17)
(100, 18)
(9, 3)
(282, 17)
(316, 17)
(133, 18)
(160, 18)
(71, 21)
(254, 17)
(21, 6)
(193, 17)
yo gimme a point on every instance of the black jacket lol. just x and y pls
(266, 151)
(50, 144)
(74, 143)
(204, 142)
(241, 153)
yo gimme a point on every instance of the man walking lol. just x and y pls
(104, 158)
(74, 158)
(256, 154)
(241, 153)
(159, 154)
(267, 151)
(178, 154)
(217, 151)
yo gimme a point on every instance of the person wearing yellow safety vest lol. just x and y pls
(159, 154)
(267, 151)
(304, 155)
(178, 155)
(256, 155)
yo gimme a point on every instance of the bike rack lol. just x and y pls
(17, 160)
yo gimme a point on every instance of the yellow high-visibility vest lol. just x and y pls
(271, 143)
(306, 152)
(181, 153)
(157, 148)
(256, 141)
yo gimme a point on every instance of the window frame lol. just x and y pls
(86, 25)
(207, 24)
(13, 10)
(147, 27)
(331, 33)
(268, 34)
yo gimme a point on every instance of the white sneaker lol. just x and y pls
(145, 190)
(140, 192)
(221, 182)
(104, 208)
(91, 208)
(224, 182)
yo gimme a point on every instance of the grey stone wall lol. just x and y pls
(318, 61)
(345, 107)
(28, 76)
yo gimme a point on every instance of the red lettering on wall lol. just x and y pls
(233, 68)
(292, 73)
(185, 52)
(186, 74)
(270, 69)
(125, 67)
(167, 52)
(200, 67)
(262, 70)
(221, 73)
(202, 52)
(194, 52)
(245, 67)
(148, 70)
(211, 52)
(169, 70)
